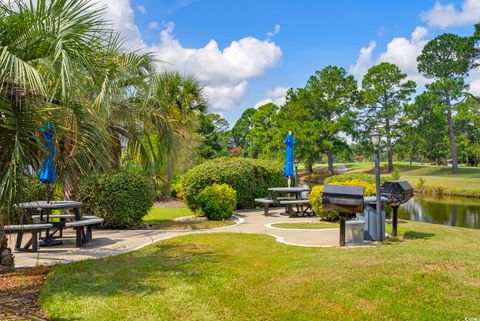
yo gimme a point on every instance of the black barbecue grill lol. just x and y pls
(346, 200)
(397, 192)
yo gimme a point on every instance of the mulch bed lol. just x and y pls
(19, 292)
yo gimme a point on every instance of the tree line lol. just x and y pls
(333, 115)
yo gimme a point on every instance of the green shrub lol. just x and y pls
(121, 198)
(362, 177)
(217, 202)
(250, 178)
(368, 178)
(30, 188)
(395, 174)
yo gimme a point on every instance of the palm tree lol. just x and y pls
(59, 61)
(169, 111)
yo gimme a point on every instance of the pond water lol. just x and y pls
(454, 211)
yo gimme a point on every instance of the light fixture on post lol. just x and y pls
(376, 137)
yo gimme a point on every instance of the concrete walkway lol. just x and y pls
(111, 242)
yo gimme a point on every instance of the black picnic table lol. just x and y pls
(287, 190)
(46, 208)
(272, 199)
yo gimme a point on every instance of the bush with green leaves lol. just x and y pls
(362, 177)
(121, 198)
(217, 202)
(250, 178)
(30, 189)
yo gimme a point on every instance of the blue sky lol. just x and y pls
(279, 44)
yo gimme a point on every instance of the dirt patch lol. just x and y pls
(169, 202)
(19, 292)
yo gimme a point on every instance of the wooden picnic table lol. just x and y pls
(46, 208)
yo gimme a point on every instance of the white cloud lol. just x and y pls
(400, 51)
(153, 25)
(121, 15)
(276, 96)
(364, 61)
(474, 81)
(276, 30)
(142, 9)
(403, 52)
(222, 97)
(444, 16)
(222, 71)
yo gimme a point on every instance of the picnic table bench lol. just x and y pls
(84, 229)
(53, 223)
(21, 229)
(303, 211)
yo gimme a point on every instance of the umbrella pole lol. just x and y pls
(49, 193)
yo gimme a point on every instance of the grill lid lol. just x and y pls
(355, 192)
(397, 191)
(348, 199)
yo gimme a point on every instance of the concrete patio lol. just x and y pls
(112, 242)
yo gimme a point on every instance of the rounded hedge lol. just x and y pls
(250, 178)
(121, 198)
(217, 202)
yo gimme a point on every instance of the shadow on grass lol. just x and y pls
(414, 235)
(143, 272)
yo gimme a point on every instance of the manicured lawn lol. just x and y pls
(316, 225)
(163, 218)
(158, 215)
(433, 275)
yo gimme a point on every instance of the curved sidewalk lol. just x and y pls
(112, 242)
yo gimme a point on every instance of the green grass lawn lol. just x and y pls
(433, 275)
(315, 225)
(467, 181)
(163, 218)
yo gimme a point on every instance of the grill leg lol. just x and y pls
(394, 220)
(342, 229)
(265, 209)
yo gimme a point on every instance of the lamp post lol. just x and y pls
(375, 136)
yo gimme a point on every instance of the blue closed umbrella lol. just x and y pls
(47, 169)
(289, 142)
